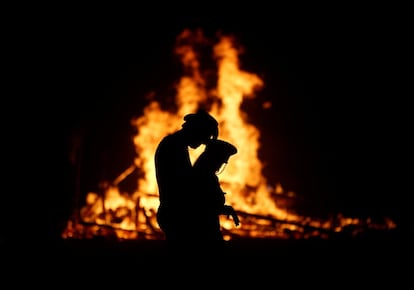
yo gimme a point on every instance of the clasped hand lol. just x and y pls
(229, 211)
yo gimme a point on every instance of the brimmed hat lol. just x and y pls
(220, 149)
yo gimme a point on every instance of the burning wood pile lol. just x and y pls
(117, 216)
(265, 211)
(139, 223)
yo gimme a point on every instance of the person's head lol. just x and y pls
(216, 154)
(201, 127)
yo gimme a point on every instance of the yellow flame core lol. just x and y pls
(247, 189)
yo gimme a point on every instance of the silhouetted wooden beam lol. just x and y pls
(279, 221)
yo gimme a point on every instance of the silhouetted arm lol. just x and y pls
(229, 211)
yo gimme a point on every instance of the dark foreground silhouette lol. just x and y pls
(176, 215)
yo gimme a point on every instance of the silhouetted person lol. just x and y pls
(174, 172)
(209, 197)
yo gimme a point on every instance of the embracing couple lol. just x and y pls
(190, 196)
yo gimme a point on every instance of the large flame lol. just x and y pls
(262, 211)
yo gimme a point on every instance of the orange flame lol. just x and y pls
(133, 216)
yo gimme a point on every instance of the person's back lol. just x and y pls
(172, 169)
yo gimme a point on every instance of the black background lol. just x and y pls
(336, 134)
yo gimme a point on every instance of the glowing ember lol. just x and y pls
(263, 209)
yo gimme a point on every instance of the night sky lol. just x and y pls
(334, 79)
